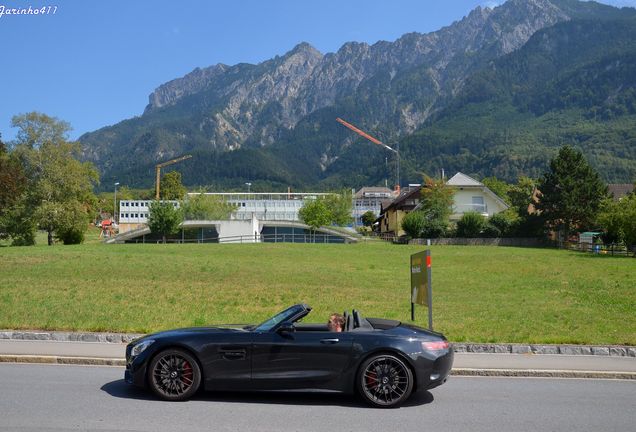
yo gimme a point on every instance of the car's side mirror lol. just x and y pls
(286, 327)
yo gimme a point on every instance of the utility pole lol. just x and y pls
(115, 212)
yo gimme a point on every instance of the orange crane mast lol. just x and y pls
(158, 171)
(363, 134)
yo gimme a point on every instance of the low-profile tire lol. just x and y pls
(174, 375)
(384, 381)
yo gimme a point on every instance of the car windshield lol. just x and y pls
(285, 315)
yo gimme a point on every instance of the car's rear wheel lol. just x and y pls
(174, 374)
(385, 381)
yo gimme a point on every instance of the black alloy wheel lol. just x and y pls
(174, 375)
(385, 381)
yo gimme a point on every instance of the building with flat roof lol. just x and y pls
(265, 206)
(370, 199)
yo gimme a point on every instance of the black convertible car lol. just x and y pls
(382, 360)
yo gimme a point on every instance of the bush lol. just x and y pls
(71, 236)
(471, 225)
(414, 223)
(434, 228)
(501, 225)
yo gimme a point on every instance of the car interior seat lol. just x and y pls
(356, 319)
(360, 323)
(348, 323)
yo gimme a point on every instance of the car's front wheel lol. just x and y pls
(174, 375)
(385, 381)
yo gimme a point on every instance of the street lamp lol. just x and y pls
(249, 185)
(115, 204)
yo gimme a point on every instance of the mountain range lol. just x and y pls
(495, 93)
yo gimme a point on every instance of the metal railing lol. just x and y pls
(464, 208)
(603, 249)
(246, 239)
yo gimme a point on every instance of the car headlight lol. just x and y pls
(141, 347)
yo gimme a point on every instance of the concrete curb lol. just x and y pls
(596, 350)
(528, 373)
(92, 361)
(60, 336)
(543, 373)
(460, 347)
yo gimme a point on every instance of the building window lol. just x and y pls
(478, 203)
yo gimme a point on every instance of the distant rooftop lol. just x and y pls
(620, 190)
(461, 179)
(374, 192)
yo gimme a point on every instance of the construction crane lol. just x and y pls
(375, 141)
(158, 171)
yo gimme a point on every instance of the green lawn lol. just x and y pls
(481, 294)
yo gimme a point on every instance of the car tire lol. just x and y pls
(384, 381)
(174, 375)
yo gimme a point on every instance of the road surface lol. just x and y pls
(69, 398)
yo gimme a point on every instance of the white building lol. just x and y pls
(471, 195)
(134, 213)
(370, 199)
(266, 206)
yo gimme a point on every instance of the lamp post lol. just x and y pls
(115, 204)
(249, 185)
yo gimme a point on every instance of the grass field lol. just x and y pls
(481, 294)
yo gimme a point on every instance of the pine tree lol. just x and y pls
(571, 193)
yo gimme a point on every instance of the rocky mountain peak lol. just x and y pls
(305, 49)
(397, 84)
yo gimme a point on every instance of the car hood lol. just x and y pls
(225, 328)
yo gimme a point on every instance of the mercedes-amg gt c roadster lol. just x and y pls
(384, 361)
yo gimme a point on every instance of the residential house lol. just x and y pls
(392, 212)
(470, 195)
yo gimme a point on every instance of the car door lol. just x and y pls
(299, 359)
(226, 360)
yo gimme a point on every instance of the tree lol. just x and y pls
(618, 220)
(571, 193)
(71, 223)
(12, 187)
(171, 186)
(471, 225)
(368, 218)
(315, 213)
(339, 206)
(164, 218)
(520, 194)
(207, 207)
(436, 200)
(499, 187)
(59, 187)
(334, 209)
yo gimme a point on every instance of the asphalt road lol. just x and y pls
(60, 398)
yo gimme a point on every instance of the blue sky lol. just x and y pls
(94, 63)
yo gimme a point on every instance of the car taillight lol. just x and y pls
(435, 345)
